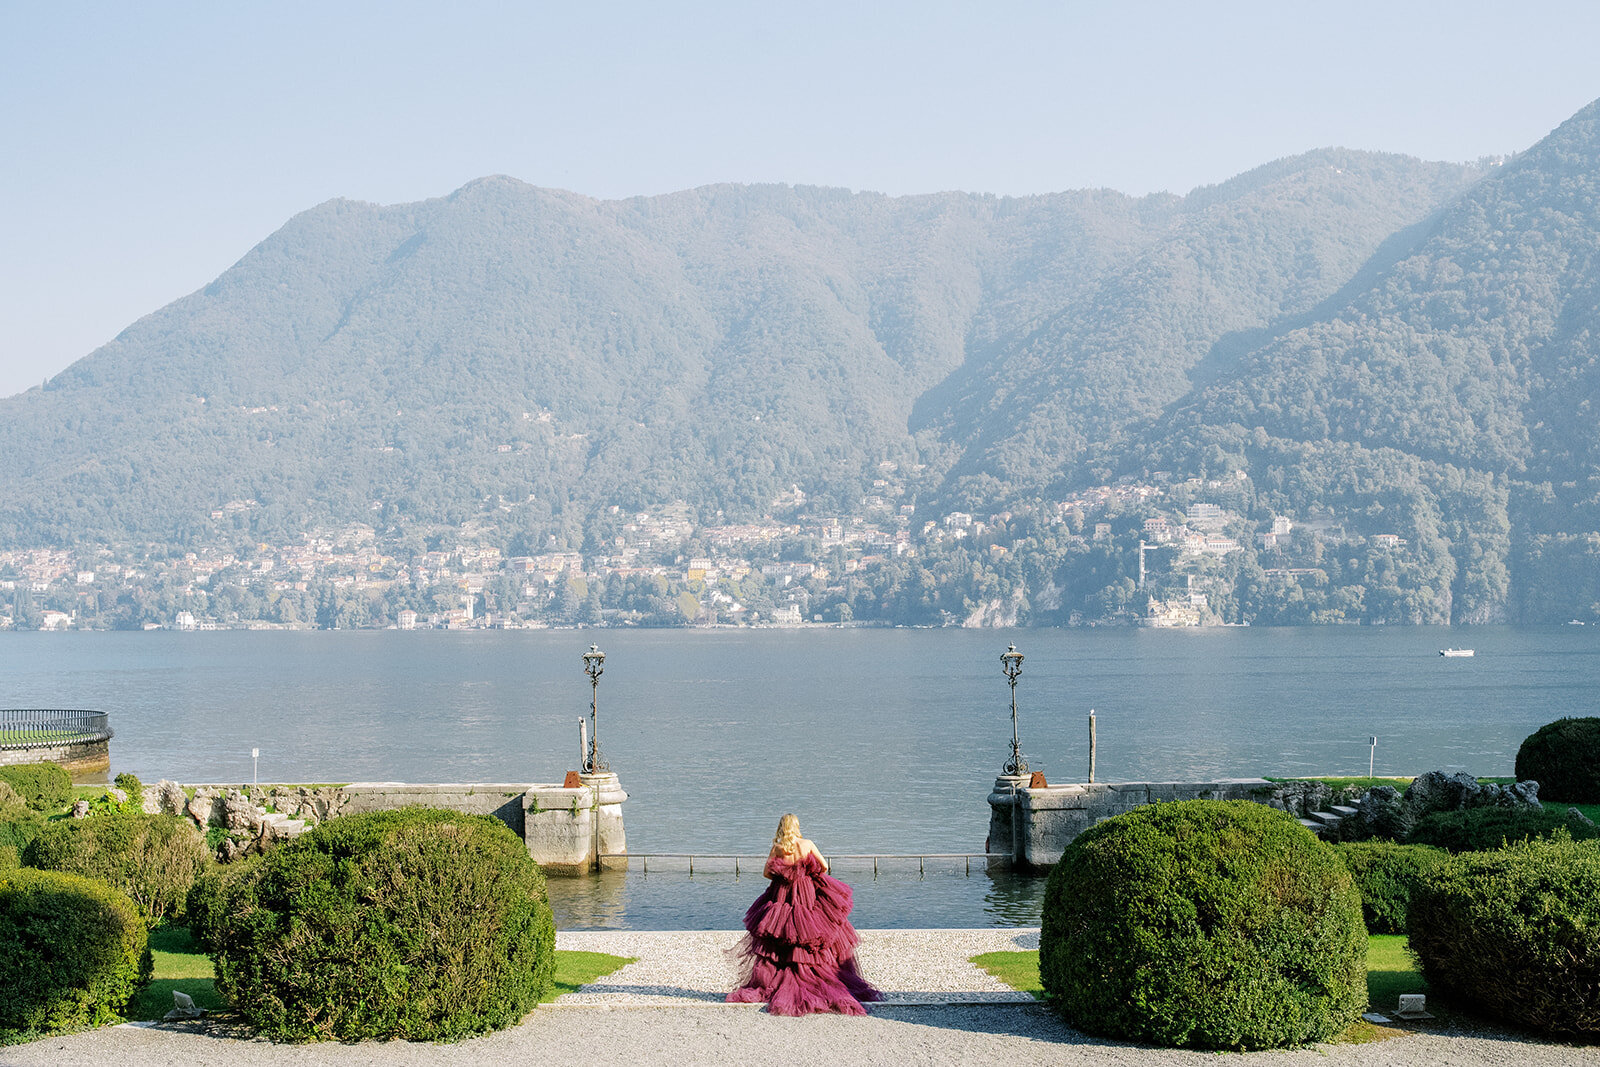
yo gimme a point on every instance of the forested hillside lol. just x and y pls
(1393, 361)
(1452, 398)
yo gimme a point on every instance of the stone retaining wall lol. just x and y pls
(78, 757)
(1036, 825)
(562, 826)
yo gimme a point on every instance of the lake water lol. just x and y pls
(883, 741)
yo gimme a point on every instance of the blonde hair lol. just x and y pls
(787, 840)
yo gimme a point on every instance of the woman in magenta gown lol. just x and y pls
(799, 948)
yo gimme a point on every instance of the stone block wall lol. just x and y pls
(560, 826)
(1036, 825)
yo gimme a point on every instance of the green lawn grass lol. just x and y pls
(1590, 811)
(1390, 971)
(181, 965)
(1019, 970)
(574, 969)
(1357, 783)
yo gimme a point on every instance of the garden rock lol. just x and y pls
(170, 799)
(80, 809)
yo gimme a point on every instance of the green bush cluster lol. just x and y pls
(1564, 758)
(207, 904)
(1515, 933)
(1479, 829)
(45, 786)
(72, 953)
(130, 784)
(417, 924)
(1386, 874)
(154, 859)
(19, 824)
(1213, 924)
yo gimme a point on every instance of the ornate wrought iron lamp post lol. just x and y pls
(1011, 664)
(594, 664)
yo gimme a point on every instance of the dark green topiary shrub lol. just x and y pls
(130, 784)
(72, 953)
(152, 858)
(1386, 875)
(1213, 924)
(416, 924)
(1515, 933)
(46, 787)
(19, 824)
(207, 905)
(1479, 829)
(1564, 758)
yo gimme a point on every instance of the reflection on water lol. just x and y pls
(668, 897)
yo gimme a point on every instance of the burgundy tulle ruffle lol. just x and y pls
(799, 949)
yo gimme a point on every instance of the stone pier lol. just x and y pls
(1035, 825)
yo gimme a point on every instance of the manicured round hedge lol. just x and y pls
(1212, 924)
(72, 952)
(417, 924)
(1564, 758)
(1386, 874)
(152, 858)
(1515, 933)
(1480, 829)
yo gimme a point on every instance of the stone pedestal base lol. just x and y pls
(565, 828)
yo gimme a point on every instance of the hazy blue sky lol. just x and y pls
(148, 146)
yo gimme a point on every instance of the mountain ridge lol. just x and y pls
(1322, 324)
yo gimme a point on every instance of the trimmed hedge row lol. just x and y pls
(1213, 924)
(1481, 829)
(72, 953)
(1387, 874)
(1515, 933)
(418, 924)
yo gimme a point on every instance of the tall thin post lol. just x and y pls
(1091, 746)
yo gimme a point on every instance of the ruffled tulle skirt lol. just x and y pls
(799, 949)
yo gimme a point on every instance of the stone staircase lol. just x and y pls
(1322, 823)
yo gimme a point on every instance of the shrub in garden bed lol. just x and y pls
(72, 953)
(1386, 874)
(152, 858)
(44, 786)
(1213, 924)
(1478, 829)
(1564, 758)
(207, 904)
(1515, 933)
(417, 924)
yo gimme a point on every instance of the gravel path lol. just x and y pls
(909, 966)
(665, 1011)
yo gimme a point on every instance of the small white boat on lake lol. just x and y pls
(1454, 653)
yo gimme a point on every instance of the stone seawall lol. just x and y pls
(80, 758)
(1036, 825)
(563, 825)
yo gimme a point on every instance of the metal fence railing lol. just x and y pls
(47, 727)
(756, 863)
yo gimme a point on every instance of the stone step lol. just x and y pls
(1343, 809)
(1312, 825)
(1327, 818)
